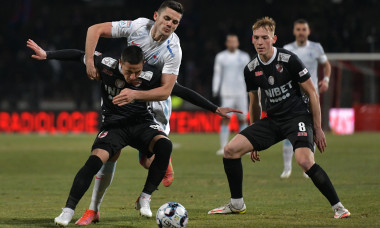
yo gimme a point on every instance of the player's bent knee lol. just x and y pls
(163, 145)
(230, 152)
(102, 154)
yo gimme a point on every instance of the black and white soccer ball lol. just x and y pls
(172, 215)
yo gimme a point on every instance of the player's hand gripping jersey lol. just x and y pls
(279, 80)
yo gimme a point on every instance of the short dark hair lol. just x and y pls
(300, 21)
(132, 54)
(176, 6)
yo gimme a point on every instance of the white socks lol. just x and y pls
(287, 153)
(224, 135)
(103, 179)
(237, 203)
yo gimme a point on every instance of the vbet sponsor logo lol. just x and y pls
(280, 93)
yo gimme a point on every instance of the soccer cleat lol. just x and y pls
(228, 209)
(143, 204)
(341, 212)
(220, 152)
(65, 217)
(88, 217)
(285, 174)
(169, 175)
(305, 175)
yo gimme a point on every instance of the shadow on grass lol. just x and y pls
(49, 222)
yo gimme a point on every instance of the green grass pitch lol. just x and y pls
(36, 173)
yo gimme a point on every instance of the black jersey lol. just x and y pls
(279, 80)
(112, 82)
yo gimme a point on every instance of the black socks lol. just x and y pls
(162, 150)
(82, 180)
(234, 172)
(323, 183)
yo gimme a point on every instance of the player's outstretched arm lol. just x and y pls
(200, 101)
(63, 55)
(93, 34)
(319, 135)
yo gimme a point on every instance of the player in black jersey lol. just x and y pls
(279, 74)
(130, 124)
(111, 76)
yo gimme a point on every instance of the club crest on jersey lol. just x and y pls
(125, 24)
(102, 134)
(302, 133)
(271, 80)
(119, 83)
(258, 73)
(279, 67)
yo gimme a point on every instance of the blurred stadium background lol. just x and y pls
(56, 96)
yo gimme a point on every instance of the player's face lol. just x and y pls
(232, 43)
(301, 32)
(131, 72)
(167, 22)
(263, 40)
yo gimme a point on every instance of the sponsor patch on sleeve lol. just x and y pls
(303, 72)
(253, 64)
(125, 24)
(147, 75)
(110, 62)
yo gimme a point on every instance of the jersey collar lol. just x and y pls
(271, 59)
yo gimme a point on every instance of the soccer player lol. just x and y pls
(311, 54)
(228, 84)
(279, 74)
(130, 124)
(105, 175)
(161, 47)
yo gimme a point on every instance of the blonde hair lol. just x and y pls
(266, 22)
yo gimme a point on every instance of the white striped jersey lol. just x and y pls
(165, 54)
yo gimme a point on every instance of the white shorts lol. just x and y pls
(236, 102)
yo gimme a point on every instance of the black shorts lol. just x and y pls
(269, 131)
(113, 138)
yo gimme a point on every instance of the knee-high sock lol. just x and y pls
(162, 150)
(234, 172)
(323, 183)
(82, 180)
(287, 153)
(224, 135)
(103, 179)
